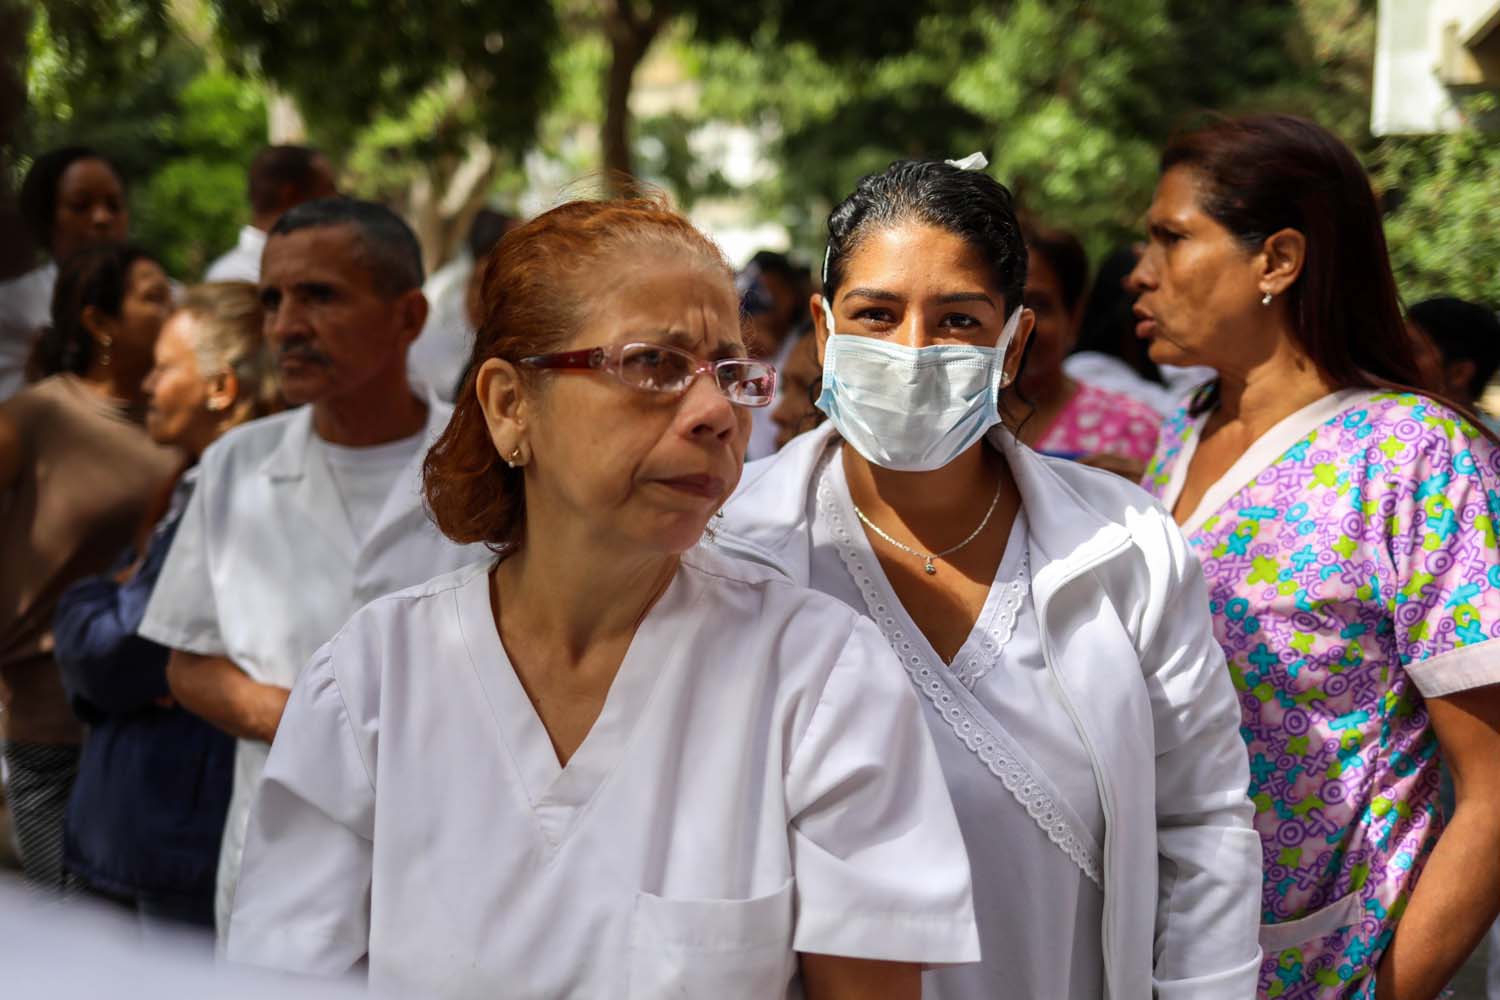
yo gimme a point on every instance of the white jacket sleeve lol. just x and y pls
(303, 899)
(1208, 903)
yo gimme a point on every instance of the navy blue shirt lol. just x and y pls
(147, 810)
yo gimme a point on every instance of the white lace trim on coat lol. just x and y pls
(991, 744)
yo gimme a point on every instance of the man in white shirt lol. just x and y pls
(302, 518)
(281, 178)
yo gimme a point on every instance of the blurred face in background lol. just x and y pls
(90, 208)
(130, 337)
(178, 396)
(796, 383)
(1056, 329)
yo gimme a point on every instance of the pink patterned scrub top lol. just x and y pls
(1097, 421)
(1353, 571)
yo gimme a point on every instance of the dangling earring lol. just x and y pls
(514, 457)
(1266, 299)
(105, 343)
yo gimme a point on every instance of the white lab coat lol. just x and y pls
(758, 782)
(265, 568)
(1126, 631)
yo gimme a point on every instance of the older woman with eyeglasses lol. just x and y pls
(607, 762)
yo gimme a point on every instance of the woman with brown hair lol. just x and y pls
(77, 472)
(607, 762)
(1346, 525)
(147, 810)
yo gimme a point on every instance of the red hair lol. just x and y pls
(535, 294)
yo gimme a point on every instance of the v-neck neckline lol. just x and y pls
(1013, 565)
(557, 794)
(1267, 448)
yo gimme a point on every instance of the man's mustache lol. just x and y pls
(301, 350)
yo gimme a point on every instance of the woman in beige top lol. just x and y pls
(77, 472)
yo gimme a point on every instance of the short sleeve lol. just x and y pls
(183, 613)
(879, 862)
(1441, 515)
(302, 903)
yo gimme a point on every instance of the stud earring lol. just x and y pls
(1266, 299)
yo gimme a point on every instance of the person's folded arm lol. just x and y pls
(215, 689)
(103, 661)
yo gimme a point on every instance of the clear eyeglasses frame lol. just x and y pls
(663, 369)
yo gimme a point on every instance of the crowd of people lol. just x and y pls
(1070, 633)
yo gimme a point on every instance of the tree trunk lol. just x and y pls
(443, 200)
(16, 252)
(630, 36)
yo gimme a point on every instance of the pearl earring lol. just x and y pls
(514, 457)
(1266, 299)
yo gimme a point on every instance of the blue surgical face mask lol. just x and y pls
(913, 409)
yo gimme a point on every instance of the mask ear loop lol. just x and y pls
(1002, 346)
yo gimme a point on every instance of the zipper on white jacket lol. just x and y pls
(1106, 799)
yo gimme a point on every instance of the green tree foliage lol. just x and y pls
(352, 62)
(1071, 101)
(1444, 233)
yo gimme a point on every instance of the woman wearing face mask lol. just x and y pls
(1346, 525)
(608, 762)
(71, 198)
(1049, 615)
(76, 473)
(147, 811)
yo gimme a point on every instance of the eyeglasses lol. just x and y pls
(658, 368)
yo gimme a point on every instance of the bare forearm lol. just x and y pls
(1454, 903)
(832, 977)
(216, 690)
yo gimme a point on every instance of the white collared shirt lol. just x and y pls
(266, 567)
(758, 783)
(242, 261)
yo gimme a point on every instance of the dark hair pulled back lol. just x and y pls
(1260, 174)
(97, 276)
(970, 204)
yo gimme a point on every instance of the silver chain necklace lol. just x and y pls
(927, 557)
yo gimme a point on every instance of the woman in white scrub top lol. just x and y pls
(610, 761)
(1049, 614)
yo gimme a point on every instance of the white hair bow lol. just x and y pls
(974, 161)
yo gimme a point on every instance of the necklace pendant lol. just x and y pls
(930, 568)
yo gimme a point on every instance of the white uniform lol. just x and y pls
(242, 261)
(1087, 729)
(266, 567)
(758, 783)
(25, 308)
(438, 357)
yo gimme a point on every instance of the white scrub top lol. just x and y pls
(266, 567)
(1019, 774)
(758, 783)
